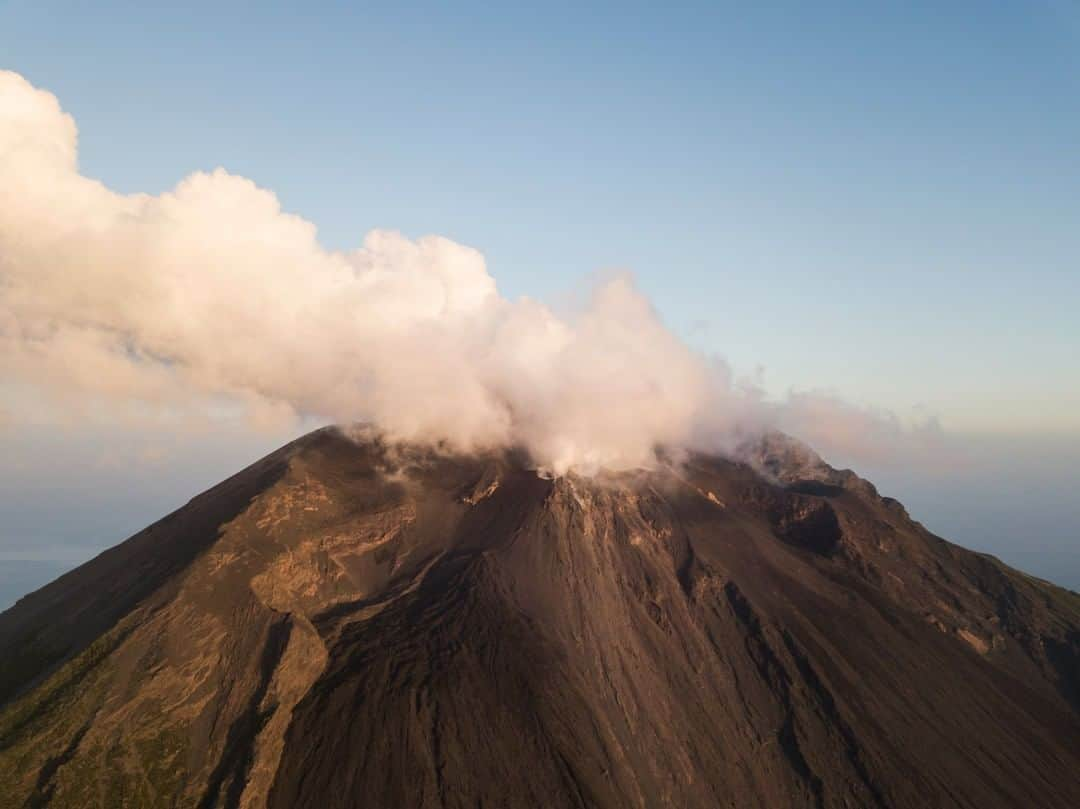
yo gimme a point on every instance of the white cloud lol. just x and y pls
(211, 294)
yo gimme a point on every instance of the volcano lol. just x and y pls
(355, 623)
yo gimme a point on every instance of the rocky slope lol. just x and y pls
(346, 624)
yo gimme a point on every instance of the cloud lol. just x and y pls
(210, 298)
(866, 434)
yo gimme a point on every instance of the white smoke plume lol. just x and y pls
(210, 294)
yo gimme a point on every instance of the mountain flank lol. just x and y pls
(351, 623)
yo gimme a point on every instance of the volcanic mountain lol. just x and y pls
(350, 623)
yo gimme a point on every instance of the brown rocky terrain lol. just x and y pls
(348, 624)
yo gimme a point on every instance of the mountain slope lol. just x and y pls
(349, 624)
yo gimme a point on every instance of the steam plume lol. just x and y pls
(210, 293)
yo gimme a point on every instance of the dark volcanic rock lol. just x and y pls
(352, 625)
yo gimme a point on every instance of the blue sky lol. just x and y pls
(880, 200)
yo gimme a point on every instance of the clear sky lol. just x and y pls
(876, 199)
